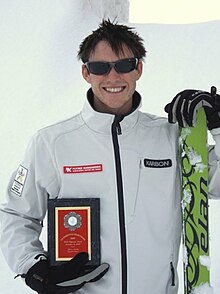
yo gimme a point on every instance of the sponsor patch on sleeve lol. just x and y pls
(19, 181)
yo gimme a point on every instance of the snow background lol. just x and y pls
(41, 80)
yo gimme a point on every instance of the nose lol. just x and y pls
(113, 72)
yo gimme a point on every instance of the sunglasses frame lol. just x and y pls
(111, 65)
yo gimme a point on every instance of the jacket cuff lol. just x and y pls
(31, 261)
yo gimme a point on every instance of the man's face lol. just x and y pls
(113, 91)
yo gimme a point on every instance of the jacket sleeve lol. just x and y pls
(26, 204)
(214, 166)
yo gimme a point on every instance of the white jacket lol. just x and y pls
(140, 202)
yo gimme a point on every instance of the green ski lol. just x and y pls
(194, 173)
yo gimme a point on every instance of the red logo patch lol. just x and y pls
(79, 169)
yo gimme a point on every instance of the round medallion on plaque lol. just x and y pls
(72, 221)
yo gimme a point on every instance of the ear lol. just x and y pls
(86, 74)
(139, 69)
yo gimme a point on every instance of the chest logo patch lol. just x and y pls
(157, 163)
(80, 169)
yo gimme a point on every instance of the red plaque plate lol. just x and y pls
(73, 227)
(73, 232)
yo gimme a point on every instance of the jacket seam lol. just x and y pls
(53, 162)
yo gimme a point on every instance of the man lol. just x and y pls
(140, 203)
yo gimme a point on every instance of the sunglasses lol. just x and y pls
(104, 67)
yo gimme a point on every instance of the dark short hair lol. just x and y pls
(117, 36)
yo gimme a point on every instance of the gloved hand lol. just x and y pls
(185, 104)
(64, 278)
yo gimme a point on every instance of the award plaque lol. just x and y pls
(74, 227)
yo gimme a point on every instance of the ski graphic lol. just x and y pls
(194, 176)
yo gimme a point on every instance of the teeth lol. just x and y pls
(114, 90)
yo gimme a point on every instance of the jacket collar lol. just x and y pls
(102, 122)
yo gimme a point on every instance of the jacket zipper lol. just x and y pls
(116, 130)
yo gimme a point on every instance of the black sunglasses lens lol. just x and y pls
(102, 68)
(125, 66)
(98, 68)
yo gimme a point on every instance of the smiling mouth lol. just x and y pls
(114, 89)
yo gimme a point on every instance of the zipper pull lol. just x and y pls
(118, 128)
(172, 273)
(117, 120)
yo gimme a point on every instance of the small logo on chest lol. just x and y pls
(80, 169)
(157, 163)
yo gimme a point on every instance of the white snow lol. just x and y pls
(200, 167)
(194, 158)
(203, 289)
(205, 261)
(187, 195)
(185, 133)
(185, 257)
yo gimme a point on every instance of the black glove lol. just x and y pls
(64, 278)
(185, 104)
